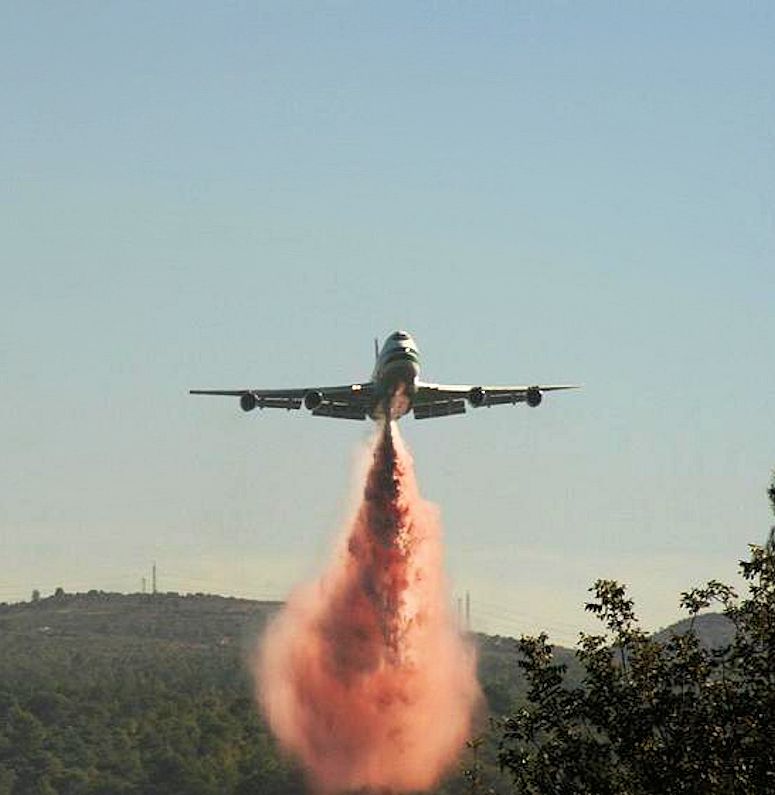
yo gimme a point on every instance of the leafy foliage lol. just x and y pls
(113, 693)
(654, 714)
(104, 693)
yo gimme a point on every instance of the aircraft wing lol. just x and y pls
(442, 400)
(348, 401)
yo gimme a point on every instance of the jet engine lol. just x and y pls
(533, 397)
(312, 400)
(477, 396)
(247, 401)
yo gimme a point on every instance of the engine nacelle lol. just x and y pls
(477, 396)
(247, 401)
(312, 400)
(534, 397)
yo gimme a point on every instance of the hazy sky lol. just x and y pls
(245, 194)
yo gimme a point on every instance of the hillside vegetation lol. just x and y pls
(111, 693)
(664, 714)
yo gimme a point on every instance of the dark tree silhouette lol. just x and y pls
(654, 715)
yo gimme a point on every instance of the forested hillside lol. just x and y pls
(111, 693)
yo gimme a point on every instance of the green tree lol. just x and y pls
(652, 715)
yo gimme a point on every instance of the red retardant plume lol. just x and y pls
(364, 676)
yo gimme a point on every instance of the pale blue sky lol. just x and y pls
(244, 194)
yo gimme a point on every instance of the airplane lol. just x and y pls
(394, 390)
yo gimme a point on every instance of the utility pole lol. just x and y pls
(153, 578)
(143, 584)
(468, 611)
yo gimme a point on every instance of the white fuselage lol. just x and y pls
(395, 373)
